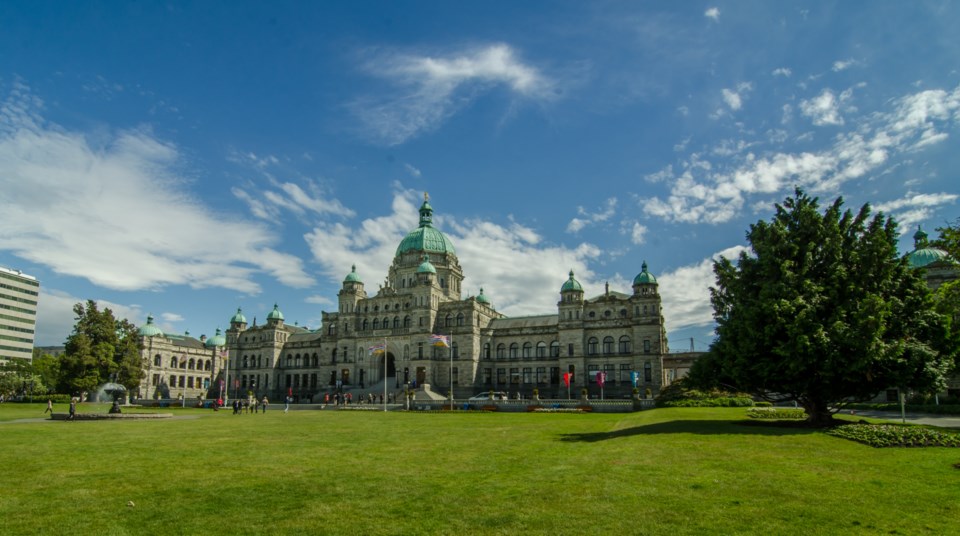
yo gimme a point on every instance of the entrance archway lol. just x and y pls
(391, 366)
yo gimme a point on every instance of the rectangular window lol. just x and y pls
(592, 373)
(289, 381)
(419, 350)
(570, 349)
(456, 376)
(555, 375)
(646, 346)
(610, 369)
(488, 376)
(190, 382)
(527, 375)
(501, 376)
(514, 376)
(156, 379)
(542, 375)
(625, 371)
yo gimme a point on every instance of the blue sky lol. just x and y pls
(186, 159)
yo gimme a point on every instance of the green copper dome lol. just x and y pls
(353, 276)
(924, 255)
(644, 277)
(275, 314)
(425, 266)
(216, 340)
(571, 284)
(425, 237)
(481, 298)
(238, 318)
(151, 329)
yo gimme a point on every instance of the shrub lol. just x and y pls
(776, 413)
(763, 404)
(725, 402)
(893, 435)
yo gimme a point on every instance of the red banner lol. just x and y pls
(289, 391)
(566, 379)
(601, 378)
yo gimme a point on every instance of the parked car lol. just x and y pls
(497, 395)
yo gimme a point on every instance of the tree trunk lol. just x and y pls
(818, 413)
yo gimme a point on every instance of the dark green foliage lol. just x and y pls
(724, 402)
(893, 435)
(100, 348)
(823, 311)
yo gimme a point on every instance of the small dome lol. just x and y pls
(481, 298)
(353, 276)
(571, 284)
(216, 340)
(644, 277)
(425, 266)
(275, 314)
(238, 318)
(151, 329)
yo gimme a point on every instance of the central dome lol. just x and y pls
(425, 237)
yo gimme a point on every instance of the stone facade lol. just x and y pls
(179, 366)
(616, 333)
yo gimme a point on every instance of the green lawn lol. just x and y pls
(668, 471)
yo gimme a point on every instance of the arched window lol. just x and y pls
(396, 321)
(289, 360)
(192, 364)
(173, 362)
(315, 360)
(296, 361)
(459, 319)
(406, 321)
(501, 351)
(448, 321)
(156, 360)
(206, 365)
(541, 349)
(455, 349)
(486, 350)
(555, 349)
(527, 350)
(624, 345)
(592, 346)
(514, 350)
(376, 323)
(365, 324)
(608, 345)
(333, 356)
(386, 322)
(245, 363)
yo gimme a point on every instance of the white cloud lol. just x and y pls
(414, 172)
(509, 261)
(712, 13)
(734, 97)
(782, 71)
(686, 291)
(638, 233)
(718, 194)
(823, 109)
(914, 208)
(117, 213)
(842, 65)
(318, 299)
(55, 317)
(576, 224)
(433, 88)
(171, 317)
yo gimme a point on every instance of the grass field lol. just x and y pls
(667, 471)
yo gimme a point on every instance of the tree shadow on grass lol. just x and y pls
(703, 427)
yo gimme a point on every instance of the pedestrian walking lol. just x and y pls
(49, 407)
(263, 404)
(73, 409)
(286, 404)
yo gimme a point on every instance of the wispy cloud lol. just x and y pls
(118, 213)
(782, 71)
(414, 172)
(824, 109)
(718, 194)
(712, 13)
(914, 208)
(430, 89)
(734, 97)
(842, 65)
(588, 218)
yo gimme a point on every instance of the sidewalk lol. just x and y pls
(946, 421)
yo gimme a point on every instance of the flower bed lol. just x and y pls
(558, 410)
(892, 435)
(776, 413)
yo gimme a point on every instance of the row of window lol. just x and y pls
(18, 309)
(20, 290)
(188, 382)
(528, 350)
(184, 363)
(543, 376)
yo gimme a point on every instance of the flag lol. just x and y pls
(377, 349)
(634, 377)
(601, 378)
(440, 340)
(566, 379)
(223, 353)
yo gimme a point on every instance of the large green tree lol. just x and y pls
(100, 348)
(824, 310)
(947, 296)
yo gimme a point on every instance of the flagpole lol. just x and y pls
(384, 374)
(451, 370)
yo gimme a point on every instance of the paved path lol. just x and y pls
(946, 421)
